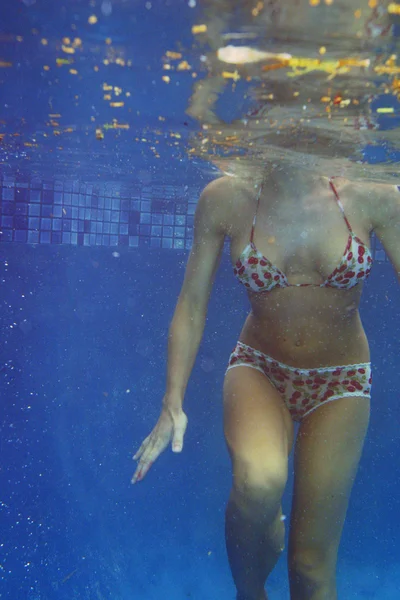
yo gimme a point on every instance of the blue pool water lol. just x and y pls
(95, 235)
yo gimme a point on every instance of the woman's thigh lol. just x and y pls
(258, 427)
(327, 453)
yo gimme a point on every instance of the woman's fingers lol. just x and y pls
(142, 448)
(149, 456)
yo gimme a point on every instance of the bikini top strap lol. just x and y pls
(340, 204)
(255, 214)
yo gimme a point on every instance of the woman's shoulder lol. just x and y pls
(231, 193)
(228, 200)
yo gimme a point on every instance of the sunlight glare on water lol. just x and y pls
(315, 82)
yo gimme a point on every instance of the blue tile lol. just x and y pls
(155, 243)
(66, 225)
(105, 240)
(6, 235)
(47, 210)
(156, 219)
(123, 240)
(8, 208)
(67, 199)
(168, 219)
(66, 237)
(74, 238)
(35, 196)
(113, 240)
(114, 228)
(45, 237)
(106, 227)
(145, 206)
(123, 229)
(45, 225)
(57, 211)
(58, 197)
(135, 205)
(145, 218)
(114, 216)
(167, 243)
(81, 226)
(8, 194)
(74, 226)
(144, 230)
(156, 230)
(48, 196)
(107, 215)
(56, 237)
(168, 231)
(7, 221)
(179, 232)
(88, 213)
(81, 213)
(20, 222)
(34, 210)
(93, 227)
(124, 216)
(133, 241)
(33, 237)
(21, 209)
(56, 224)
(179, 244)
(21, 194)
(116, 204)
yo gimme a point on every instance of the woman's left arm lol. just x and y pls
(385, 220)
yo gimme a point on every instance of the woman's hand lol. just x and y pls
(171, 425)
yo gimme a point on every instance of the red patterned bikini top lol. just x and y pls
(257, 273)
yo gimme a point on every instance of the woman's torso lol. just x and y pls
(305, 238)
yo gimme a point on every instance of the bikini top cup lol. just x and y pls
(257, 273)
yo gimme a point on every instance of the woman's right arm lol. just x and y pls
(186, 330)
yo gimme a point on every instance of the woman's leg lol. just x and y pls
(259, 435)
(328, 450)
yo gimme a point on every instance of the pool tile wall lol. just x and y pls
(36, 211)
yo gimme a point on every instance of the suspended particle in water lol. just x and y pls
(28, 2)
(192, 3)
(106, 8)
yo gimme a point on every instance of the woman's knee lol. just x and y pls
(259, 487)
(313, 568)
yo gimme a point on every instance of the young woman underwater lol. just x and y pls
(300, 246)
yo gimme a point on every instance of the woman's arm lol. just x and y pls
(384, 207)
(187, 325)
(188, 322)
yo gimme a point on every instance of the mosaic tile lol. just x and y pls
(103, 214)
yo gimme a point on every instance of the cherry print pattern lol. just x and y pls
(304, 390)
(258, 274)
